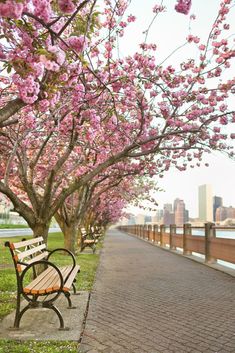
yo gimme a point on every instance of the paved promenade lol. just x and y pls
(149, 300)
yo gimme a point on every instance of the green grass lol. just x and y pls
(8, 346)
(88, 264)
(13, 226)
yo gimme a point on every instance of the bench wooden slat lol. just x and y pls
(39, 281)
(29, 252)
(49, 280)
(41, 256)
(25, 243)
(70, 280)
(56, 282)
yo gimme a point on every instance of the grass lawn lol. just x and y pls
(13, 226)
(88, 264)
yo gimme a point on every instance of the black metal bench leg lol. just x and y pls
(56, 310)
(19, 315)
(67, 294)
(74, 289)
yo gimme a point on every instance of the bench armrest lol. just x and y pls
(62, 249)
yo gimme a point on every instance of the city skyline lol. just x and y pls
(219, 174)
(169, 205)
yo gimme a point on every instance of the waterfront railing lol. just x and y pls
(184, 239)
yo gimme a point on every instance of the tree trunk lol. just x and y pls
(41, 230)
(70, 236)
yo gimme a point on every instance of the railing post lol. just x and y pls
(172, 231)
(155, 230)
(162, 231)
(149, 231)
(209, 234)
(187, 231)
(145, 231)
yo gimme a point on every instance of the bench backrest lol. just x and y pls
(27, 251)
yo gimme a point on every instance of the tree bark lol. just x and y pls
(41, 229)
(10, 109)
(70, 237)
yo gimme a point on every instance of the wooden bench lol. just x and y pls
(40, 281)
(88, 240)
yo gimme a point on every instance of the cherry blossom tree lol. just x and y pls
(83, 208)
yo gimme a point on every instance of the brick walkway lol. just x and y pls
(148, 300)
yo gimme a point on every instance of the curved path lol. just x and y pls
(149, 300)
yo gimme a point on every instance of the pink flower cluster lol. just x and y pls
(42, 9)
(11, 9)
(66, 6)
(77, 43)
(183, 6)
(53, 64)
(28, 89)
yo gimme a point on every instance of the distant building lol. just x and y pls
(176, 202)
(186, 216)
(179, 207)
(230, 212)
(223, 213)
(205, 203)
(168, 217)
(217, 202)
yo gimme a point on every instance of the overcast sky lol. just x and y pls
(169, 32)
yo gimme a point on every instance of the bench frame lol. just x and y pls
(51, 294)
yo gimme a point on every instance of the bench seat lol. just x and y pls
(48, 281)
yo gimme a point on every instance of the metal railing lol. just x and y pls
(212, 247)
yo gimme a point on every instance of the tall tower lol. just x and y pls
(205, 203)
(179, 212)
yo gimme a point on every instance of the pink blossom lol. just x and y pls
(44, 105)
(66, 6)
(11, 9)
(223, 120)
(183, 6)
(77, 43)
(223, 107)
(28, 89)
(42, 9)
(131, 18)
(59, 54)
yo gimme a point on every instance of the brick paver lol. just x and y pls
(148, 300)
